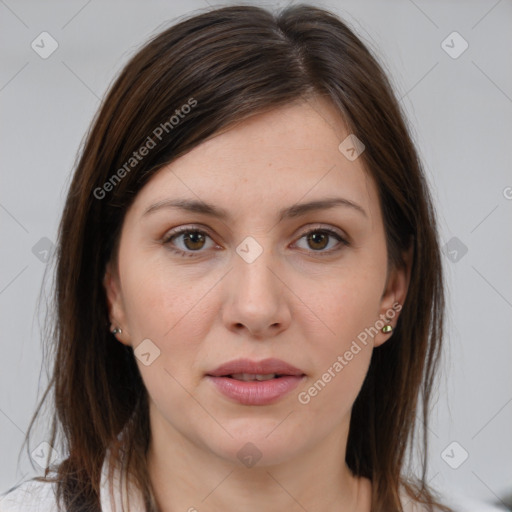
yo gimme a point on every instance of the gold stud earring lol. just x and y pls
(387, 329)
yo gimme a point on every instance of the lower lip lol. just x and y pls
(256, 392)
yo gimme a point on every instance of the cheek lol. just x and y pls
(175, 311)
(158, 296)
(170, 307)
(340, 358)
(341, 305)
(340, 324)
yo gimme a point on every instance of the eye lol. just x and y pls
(322, 240)
(186, 241)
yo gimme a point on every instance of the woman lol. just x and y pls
(249, 286)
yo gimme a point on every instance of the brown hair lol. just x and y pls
(235, 62)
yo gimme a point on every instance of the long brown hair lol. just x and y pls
(228, 64)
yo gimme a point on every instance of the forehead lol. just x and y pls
(274, 158)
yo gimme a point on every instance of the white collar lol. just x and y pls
(120, 489)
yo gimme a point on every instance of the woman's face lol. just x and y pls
(216, 266)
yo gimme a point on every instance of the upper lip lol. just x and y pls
(264, 367)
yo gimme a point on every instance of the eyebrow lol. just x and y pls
(293, 211)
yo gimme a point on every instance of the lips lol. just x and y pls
(255, 382)
(265, 367)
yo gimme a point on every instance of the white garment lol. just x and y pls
(31, 496)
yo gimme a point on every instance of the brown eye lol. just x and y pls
(322, 240)
(318, 240)
(186, 242)
(194, 240)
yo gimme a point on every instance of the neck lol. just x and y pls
(188, 477)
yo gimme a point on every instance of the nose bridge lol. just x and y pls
(253, 277)
(256, 297)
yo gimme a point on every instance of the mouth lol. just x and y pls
(267, 368)
(255, 382)
(249, 377)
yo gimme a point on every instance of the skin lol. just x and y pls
(291, 303)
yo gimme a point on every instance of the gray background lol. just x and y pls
(459, 108)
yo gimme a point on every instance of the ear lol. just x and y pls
(116, 310)
(394, 295)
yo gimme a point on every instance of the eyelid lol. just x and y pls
(185, 229)
(323, 227)
(201, 227)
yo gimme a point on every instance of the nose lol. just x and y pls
(257, 301)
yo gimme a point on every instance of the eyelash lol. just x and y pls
(167, 239)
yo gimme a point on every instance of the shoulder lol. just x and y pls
(29, 496)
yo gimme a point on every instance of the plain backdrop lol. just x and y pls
(459, 103)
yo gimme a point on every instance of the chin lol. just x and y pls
(256, 443)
